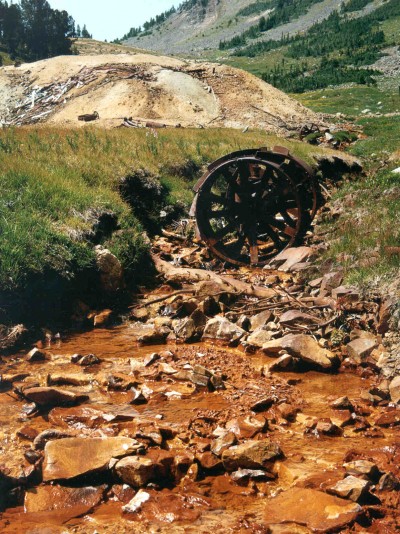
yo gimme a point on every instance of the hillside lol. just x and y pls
(147, 88)
(296, 45)
(201, 25)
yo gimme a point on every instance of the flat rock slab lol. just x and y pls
(292, 317)
(49, 498)
(318, 511)
(72, 457)
(50, 396)
(289, 257)
(303, 347)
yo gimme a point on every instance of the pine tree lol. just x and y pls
(85, 33)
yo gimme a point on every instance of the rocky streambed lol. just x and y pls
(204, 412)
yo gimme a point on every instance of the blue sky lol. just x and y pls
(108, 19)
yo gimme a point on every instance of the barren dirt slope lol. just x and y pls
(144, 87)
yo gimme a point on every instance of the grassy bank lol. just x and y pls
(59, 185)
(365, 239)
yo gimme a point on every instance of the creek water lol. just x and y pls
(206, 502)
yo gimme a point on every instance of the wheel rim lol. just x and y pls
(248, 209)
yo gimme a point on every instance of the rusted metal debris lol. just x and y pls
(88, 117)
(139, 123)
(252, 204)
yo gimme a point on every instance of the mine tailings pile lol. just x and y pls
(259, 400)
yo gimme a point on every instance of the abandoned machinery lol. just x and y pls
(252, 204)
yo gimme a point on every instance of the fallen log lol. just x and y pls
(226, 283)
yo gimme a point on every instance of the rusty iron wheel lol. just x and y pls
(252, 204)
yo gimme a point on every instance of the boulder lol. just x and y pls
(251, 455)
(136, 471)
(184, 328)
(71, 457)
(316, 510)
(360, 348)
(221, 329)
(362, 467)
(258, 338)
(247, 426)
(351, 487)
(303, 347)
(260, 319)
(223, 443)
(110, 270)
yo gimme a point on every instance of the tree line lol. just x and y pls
(32, 30)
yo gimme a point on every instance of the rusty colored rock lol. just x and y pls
(351, 487)
(223, 330)
(136, 471)
(360, 348)
(72, 457)
(258, 338)
(70, 379)
(50, 434)
(288, 258)
(303, 347)
(50, 498)
(208, 460)
(389, 418)
(251, 455)
(316, 510)
(394, 389)
(260, 319)
(103, 318)
(49, 396)
(223, 443)
(362, 467)
(246, 427)
(295, 317)
(37, 355)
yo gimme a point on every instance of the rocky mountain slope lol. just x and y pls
(199, 26)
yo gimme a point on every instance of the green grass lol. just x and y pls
(351, 100)
(359, 239)
(54, 182)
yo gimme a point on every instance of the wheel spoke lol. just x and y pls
(288, 219)
(220, 234)
(274, 236)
